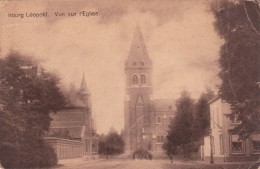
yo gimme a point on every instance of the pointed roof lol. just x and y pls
(139, 101)
(83, 86)
(138, 51)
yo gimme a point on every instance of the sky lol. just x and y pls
(179, 36)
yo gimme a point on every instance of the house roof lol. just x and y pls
(164, 105)
(74, 132)
(214, 99)
(71, 119)
(67, 115)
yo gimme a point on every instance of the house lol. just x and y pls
(223, 141)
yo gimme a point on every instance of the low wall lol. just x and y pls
(65, 148)
(233, 158)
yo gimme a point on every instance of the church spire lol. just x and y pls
(83, 86)
(138, 55)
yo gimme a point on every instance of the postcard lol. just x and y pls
(128, 84)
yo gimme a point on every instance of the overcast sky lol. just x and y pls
(179, 36)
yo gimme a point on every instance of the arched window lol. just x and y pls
(143, 79)
(135, 79)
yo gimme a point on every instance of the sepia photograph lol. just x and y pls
(120, 84)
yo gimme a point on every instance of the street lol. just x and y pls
(152, 164)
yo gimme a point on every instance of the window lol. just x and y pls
(160, 139)
(213, 144)
(170, 119)
(213, 119)
(159, 120)
(221, 144)
(234, 120)
(135, 79)
(153, 136)
(255, 143)
(134, 63)
(170, 107)
(142, 63)
(143, 79)
(87, 145)
(236, 144)
(217, 117)
(149, 145)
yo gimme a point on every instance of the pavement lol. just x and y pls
(68, 163)
(107, 164)
(142, 164)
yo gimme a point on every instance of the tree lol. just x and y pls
(202, 115)
(237, 23)
(102, 144)
(180, 134)
(112, 143)
(115, 143)
(27, 95)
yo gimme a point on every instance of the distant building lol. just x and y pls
(146, 119)
(225, 142)
(72, 132)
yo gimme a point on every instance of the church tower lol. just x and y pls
(84, 92)
(85, 100)
(138, 71)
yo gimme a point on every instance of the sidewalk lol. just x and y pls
(75, 162)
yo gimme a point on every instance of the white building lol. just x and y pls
(226, 145)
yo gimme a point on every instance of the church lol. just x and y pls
(72, 131)
(146, 118)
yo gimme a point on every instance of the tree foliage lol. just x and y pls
(112, 143)
(202, 115)
(190, 124)
(180, 134)
(237, 23)
(27, 95)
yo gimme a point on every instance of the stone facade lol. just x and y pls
(73, 128)
(224, 142)
(146, 119)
